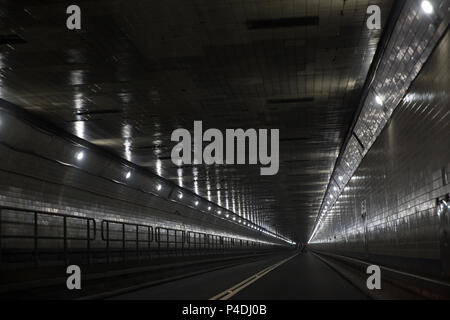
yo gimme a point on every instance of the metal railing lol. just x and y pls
(24, 226)
(124, 233)
(170, 241)
(36, 236)
(197, 241)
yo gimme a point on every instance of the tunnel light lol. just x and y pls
(196, 203)
(219, 212)
(227, 215)
(180, 195)
(427, 7)
(234, 218)
(79, 155)
(442, 207)
(128, 175)
(159, 187)
(379, 100)
(209, 208)
(245, 223)
(240, 221)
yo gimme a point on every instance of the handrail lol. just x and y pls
(53, 214)
(105, 236)
(168, 230)
(165, 240)
(124, 224)
(36, 236)
(189, 233)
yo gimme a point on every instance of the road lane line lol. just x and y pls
(228, 293)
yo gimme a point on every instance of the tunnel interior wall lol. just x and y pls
(39, 171)
(388, 213)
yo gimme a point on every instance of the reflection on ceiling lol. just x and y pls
(137, 70)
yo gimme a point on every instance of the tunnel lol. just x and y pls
(200, 151)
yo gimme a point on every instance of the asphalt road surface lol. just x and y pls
(279, 277)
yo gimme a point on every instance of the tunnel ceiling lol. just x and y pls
(139, 69)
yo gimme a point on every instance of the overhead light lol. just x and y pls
(234, 218)
(80, 155)
(245, 223)
(209, 208)
(219, 212)
(196, 203)
(442, 207)
(341, 178)
(158, 187)
(240, 221)
(128, 175)
(335, 189)
(227, 215)
(427, 7)
(180, 195)
(379, 100)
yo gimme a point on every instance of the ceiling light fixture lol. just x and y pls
(128, 175)
(80, 155)
(379, 100)
(427, 7)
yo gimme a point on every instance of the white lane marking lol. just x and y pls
(228, 293)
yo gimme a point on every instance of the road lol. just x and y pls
(303, 276)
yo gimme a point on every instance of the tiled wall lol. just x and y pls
(39, 170)
(407, 44)
(400, 181)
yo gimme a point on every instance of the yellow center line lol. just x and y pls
(225, 295)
